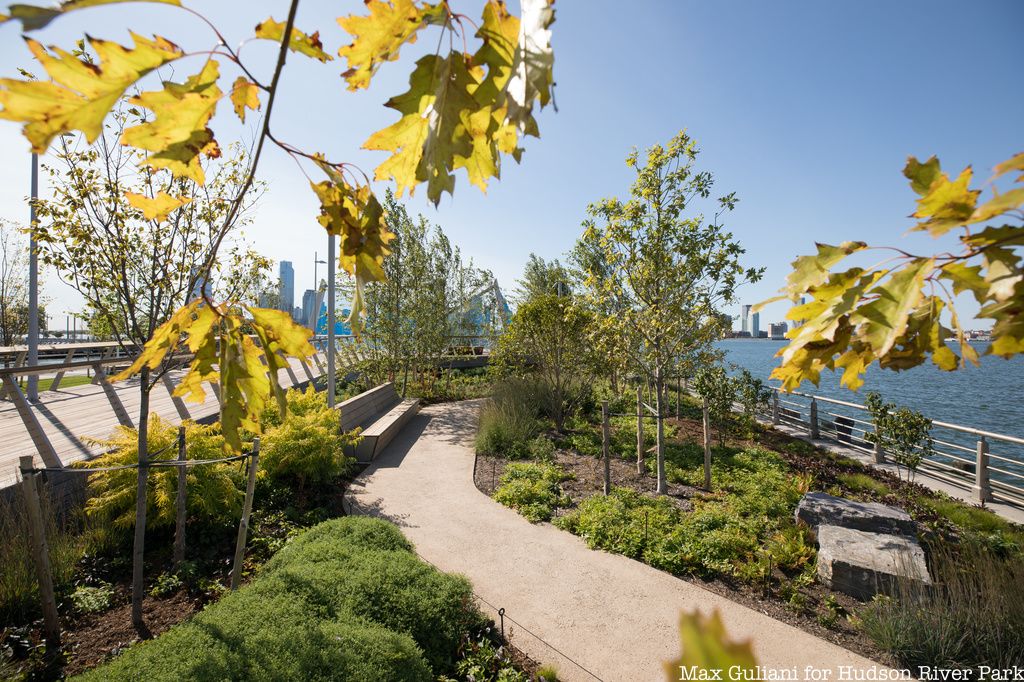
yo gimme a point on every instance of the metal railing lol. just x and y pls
(990, 465)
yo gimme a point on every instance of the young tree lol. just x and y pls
(135, 267)
(664, 272)
(13, 284)
(897, 311)
(900, 431)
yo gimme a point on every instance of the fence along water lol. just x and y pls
(990, 465)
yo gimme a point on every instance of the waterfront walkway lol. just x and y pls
(615, 617)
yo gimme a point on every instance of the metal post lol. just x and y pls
(179, 529)
(40, 552)
(33, 286)
(605, 447)
(982, 486)
(775, 408)
(814, 419)
(331, 348)
(243, 525)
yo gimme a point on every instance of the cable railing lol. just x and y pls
(990, 465)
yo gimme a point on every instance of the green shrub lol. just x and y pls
(972, 615)
(903, 433)
(542, 449)
(166, 583)
(307, 448)
(508, 420)
(92, 599)
(532, 489)
(863, 483)
(347, 600)
(214, 490)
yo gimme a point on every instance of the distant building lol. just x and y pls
(287, 276)
(755, 328)
(200, 285)
(778, 330)
(797, 323)
(308, 304)
(762, 334)
(297, 314)
(745, 319)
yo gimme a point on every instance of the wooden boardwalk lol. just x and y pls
(68, 415)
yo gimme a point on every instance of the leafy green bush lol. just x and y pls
(532, 489)
(716, 387)
(92, 599)
(214, 490)
(346, 601)
(508, 420)
(972, 615)
(542, 449)
(307, 448)
(901, 432)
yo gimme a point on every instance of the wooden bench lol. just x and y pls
(380, 413)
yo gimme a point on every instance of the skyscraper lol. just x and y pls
(745, 318)
(308, 302)
(755, 330)
(287, 275)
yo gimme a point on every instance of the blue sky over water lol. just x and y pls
(807, 110)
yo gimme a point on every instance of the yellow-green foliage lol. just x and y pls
(214, 490)
(308, 447)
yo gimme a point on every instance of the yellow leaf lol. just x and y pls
(1016, 162)
(34, 18)
(707, 647)
(164, 340)
(946, 204)
(156, 208)
(883, 320)
(532, 70)
(377, 38)
(178, 134)
(308, 45)
(245, 95)
(81, 93)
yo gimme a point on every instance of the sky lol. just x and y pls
(807, 110)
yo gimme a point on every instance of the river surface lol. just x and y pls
(989, 397)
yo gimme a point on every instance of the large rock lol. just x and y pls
(862, 564)
(817, 509)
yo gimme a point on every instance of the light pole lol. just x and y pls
(330, 320)
(33, 286)
(316, 261)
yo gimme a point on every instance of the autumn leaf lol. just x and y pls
(158, 207)
(164, 340)
(81, 92)
(534, 62)
(426, 140)
(1014, 163)
(378, 37)
(300, 42)
(279, 336)
(944, 203)
(245, 95)
(33, 18)
(706, 646)
(179, 133)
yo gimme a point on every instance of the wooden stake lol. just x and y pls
(40, 552)
(639, 431)
(605, 447)
(707, 445)
(179, 528)
(243, 525)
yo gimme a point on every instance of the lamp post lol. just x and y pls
(33, 286)
(330, 320)
(316, 261)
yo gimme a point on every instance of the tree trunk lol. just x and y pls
(639, 430)
(707, 445)
(138, 548)
(659, 393)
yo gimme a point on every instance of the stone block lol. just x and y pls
(817, 509)
(862, 564)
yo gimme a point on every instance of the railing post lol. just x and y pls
(814, 419)
(179, 528)
(775, 408)
(243, 525)
(40, 552)
(982, 486)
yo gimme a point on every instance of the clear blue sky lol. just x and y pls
(806, 109)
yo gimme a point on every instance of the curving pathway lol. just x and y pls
(616, 617)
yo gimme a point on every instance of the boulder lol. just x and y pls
(817, 509)
(862, 564)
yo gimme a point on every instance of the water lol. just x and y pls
(989, 397)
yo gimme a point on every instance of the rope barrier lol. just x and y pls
(165, 463)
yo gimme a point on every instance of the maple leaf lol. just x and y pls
(82, 92)
(245, 95)
(883, 319)
(426, 140)
(178, 134)
(377, 38)
(534, 62)
(33, 18)
(279, 336)
(706, 646)
(300, 42)
(158, 207)
(1015, 162)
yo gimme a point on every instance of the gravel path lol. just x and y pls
(614, 616)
